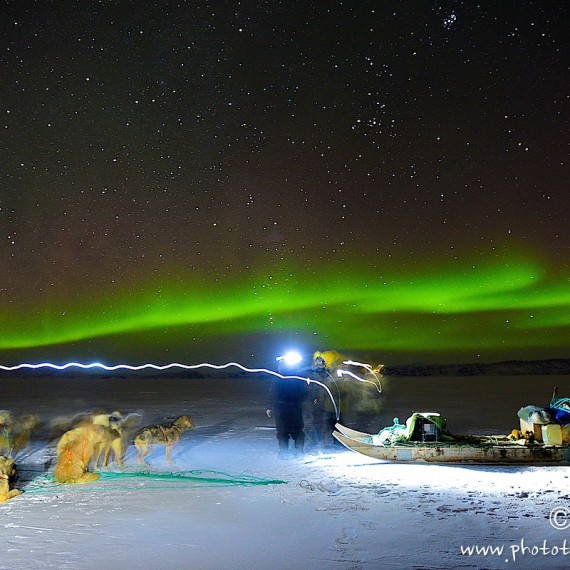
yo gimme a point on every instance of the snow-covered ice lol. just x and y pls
(239, 506)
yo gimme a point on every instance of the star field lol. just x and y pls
(166, 158)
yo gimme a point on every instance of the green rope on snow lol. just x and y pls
(196, 475)
(127, 480)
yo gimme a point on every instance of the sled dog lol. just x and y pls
(114, 426)
(117, 426)
(111, 439)
(6, 425)
(75, 450)
(24, 428)
(163, 434)
(7, 473)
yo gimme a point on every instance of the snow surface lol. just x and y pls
(336, 509)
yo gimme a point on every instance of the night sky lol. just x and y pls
(182, 180)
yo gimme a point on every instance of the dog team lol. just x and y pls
(85, 444)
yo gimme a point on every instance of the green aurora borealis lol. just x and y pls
(208, 180)
(475, 307)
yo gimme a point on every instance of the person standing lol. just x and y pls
(324, 411)
(286, 398)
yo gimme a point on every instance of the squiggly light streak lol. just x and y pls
(370, 370)
(117, 366)
(342, 372)
(361, 364)
(166, 367)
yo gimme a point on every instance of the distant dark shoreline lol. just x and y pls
(556, 366)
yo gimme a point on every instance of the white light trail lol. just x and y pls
(116, 366)
(373, 371)
(342, 372)
(354, 363)
(92, 365)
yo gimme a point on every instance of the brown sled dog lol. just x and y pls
(111, 440)
(24, 428)
(6, 425)
(75, 450)
(115, 425)
(111, 437)
(168, 435)
(7, 472)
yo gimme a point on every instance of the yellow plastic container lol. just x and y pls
(552, 434)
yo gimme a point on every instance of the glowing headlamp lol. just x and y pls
(290, 358)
